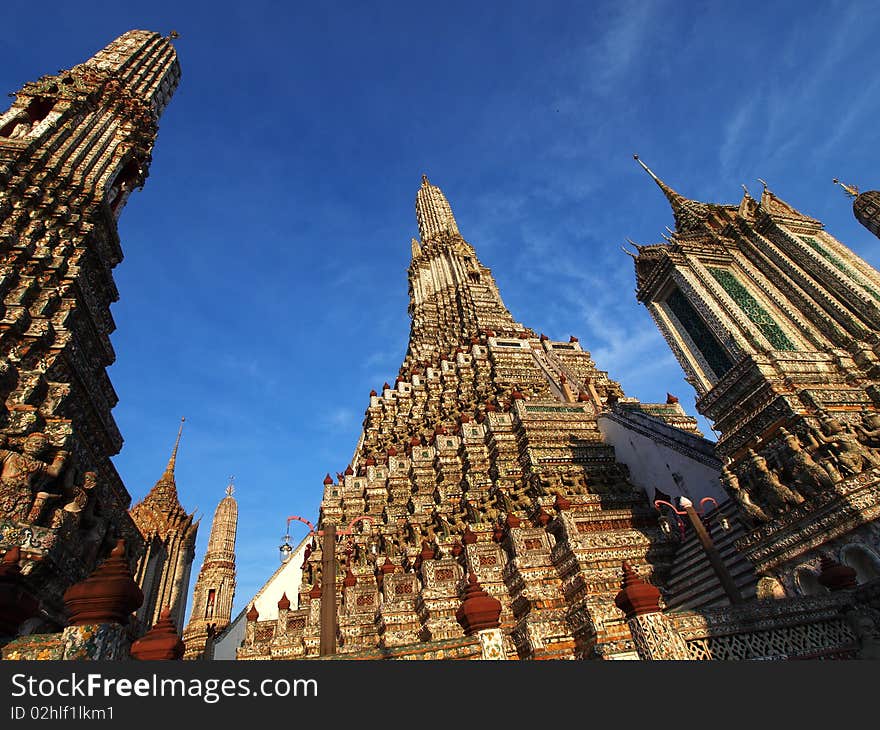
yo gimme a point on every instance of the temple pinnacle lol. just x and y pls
(172, 462)
(851, 190)
(687, 213)
(433, 212)
(230, 488)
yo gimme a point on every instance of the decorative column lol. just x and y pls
(652, 634)
(99, 610)
(251, 628)
(480, 614)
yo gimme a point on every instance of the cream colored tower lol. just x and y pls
(215, 586)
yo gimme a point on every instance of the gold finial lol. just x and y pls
(172, 462)
(764, 183)
(425, 182)
(646, 168)
(851, 190)
(745, 189)
(230, 488)
(173, 35)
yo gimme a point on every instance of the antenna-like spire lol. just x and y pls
(687, 213)
(172, 462)
(230, 488)
(851, 190)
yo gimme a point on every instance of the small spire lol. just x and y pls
(851, 190)
(172, 462)
(230, 488)
(173, 35)
(687, 213)
(425, 182)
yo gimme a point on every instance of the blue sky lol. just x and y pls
(263, 291)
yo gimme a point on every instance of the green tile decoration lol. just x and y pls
(753, 310)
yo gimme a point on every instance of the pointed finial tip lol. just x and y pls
(851, 190)
(173, 35)
(425, 180)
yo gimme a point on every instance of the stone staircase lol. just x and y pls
(692, 582)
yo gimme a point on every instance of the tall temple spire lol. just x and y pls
(688, 213)
(215, 587)
(74, 146)
(172, 462)
(449, 287)
(433, 212)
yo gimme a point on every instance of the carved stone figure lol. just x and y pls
(731, 482)
(22, 126)
(844, 448)
(869, 430)
(772, 492)
(23, 474)
(807, 474)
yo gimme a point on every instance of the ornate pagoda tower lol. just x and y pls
(483, 457)
(866, 206)
(777, 326)
(169, 533)
(73, 146)
(215, 586)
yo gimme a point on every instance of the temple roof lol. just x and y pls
(689, 214)
(160, 511)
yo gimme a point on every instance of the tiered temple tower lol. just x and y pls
(777, 325)
(215, 586)
(73, 147)
(484, 456)
(169, 533)
(866, 206)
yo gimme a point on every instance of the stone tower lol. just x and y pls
(777, 326)
(484, 456)
(73, 147)
(866, 206)
(215, 586)
(169, 533)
